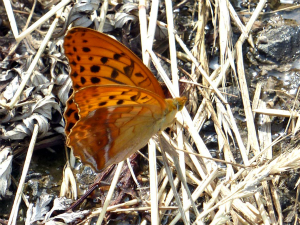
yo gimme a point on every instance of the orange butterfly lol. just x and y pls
(117, 104)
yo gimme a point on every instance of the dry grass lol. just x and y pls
(236, 194)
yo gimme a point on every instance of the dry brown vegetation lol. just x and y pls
(243, 183)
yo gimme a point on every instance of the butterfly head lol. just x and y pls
(180, 102)
(173, 106)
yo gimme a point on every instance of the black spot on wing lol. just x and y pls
(104, 60)
(95, 80)
(138, 75)
(120, 102)
(76, 116)
(114, 74)
(86, 49)
(70, 126)
(77, 86)
(128, 70)
(69, 112)
(82, 80)
(134, 97)
(117, 56)
(75, 74)
(102, 103)
(70, 101)
(95, 69)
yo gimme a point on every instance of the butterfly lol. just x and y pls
(117, 104)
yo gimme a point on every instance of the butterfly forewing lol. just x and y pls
(97, 59)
